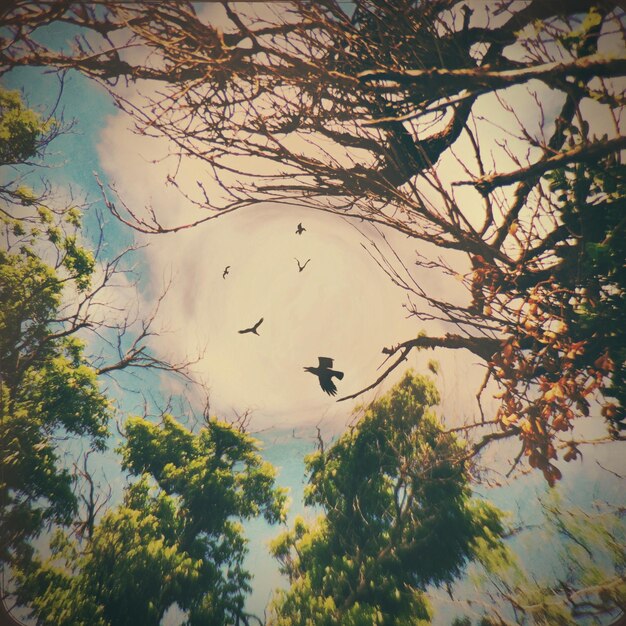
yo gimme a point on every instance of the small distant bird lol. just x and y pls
(325, 374)
(301, 267)
(300, 229)
(252, 329)
(226, 271)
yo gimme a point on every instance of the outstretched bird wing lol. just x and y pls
(252, 329)
(325, 375)
(327, 384)
(325, 362)
(257, 324)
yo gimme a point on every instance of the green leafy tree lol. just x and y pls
(398, 516)
(21, 130)
(589, 585)
(591, 201)
(24, 137)
(48, 389)
(52, 289)
(175, 540)
(571, 338)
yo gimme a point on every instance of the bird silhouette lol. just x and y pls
(292, 124)
(226, 271)
(252, 329)
(325, 374)
(300, 229)
(301, 267)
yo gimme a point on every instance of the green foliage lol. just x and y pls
(591, 200)
(398, 516)
(21, 130)
(177, 536)
(576, 41)
(79, 262)
(23, 136)
(591, 585)
(219, 469)
(47, 389)
(175, 539)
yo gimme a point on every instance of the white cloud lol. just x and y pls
(342, 305)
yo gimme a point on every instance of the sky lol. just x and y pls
(341, 306)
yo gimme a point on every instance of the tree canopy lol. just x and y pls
(54, 297)
(176, 540)
(398, 515)
(588, 581)
(488, 134)
(47, 387)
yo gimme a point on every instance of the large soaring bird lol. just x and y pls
(300, 229)
(252, 329)
(325, 374)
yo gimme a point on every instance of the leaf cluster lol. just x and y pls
(48, 391)
(175, 539)
(398, 516)
(588, 585)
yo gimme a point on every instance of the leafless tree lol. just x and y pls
(488, 133)
(93, 498)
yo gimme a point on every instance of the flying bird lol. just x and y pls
(252, 329)
(300, 229)
(325, 374)
(226, 271)
(301, 267)
(292, 124)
